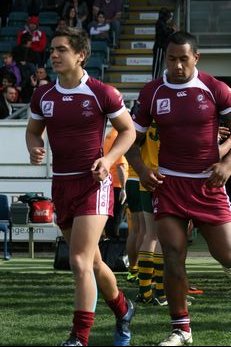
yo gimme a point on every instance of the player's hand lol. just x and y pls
(150, 179)
(37, 155)
(220, 173)
(223, 133)
(100, 169)
(122, 196)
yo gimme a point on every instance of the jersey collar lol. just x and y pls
(72, 90)
(183, 85)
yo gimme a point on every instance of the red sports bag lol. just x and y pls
(41, 211)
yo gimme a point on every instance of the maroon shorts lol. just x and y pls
(81, 195)
(191, 198)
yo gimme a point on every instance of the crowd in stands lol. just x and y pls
(22, 66)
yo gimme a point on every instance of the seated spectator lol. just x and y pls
(7, 79)
(61, 25)
(26, 88)
(9, 65)
(40, 74)
(39, 39)
(112, 10)
(99, 29)
(72, 19)
(23, 51)
(7, 100)
(81, 9)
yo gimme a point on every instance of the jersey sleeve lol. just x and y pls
(223, 98)
(36, 111)
(141, 111)
(113, 102)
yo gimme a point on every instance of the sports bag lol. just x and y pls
(61, 261)
(41, 211)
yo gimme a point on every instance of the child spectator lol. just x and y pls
(99, 29)
(11, 66)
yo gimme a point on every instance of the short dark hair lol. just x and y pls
(183, 37)
(78, 39)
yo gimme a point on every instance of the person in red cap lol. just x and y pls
(39, 38)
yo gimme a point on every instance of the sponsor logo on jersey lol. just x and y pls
(163, 106)
(67, 98)
(181, 94)
(47, 108)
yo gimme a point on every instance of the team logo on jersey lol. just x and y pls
(200, 97)
(67, 98)
(202, 102)
(182, 93)
(47, 108)
(86, 103)
(163, 106)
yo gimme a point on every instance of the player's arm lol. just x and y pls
(221, 171)
(122, 175)
(148, 178)
(34, 140)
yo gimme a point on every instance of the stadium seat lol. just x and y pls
(100, 48)
(95, 67)
(5, 223)
(9, 33)
(17, 18)
(6, 46)
(49, 18)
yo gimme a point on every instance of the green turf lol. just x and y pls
(36, 305)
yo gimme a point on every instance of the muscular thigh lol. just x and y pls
(218, 238)
(172, 235)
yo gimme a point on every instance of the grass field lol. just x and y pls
(36, 305)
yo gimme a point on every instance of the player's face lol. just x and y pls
(62, 56)
(180, 62)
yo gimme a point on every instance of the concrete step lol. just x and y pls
(124, 51)
(134, 37)
(127, 87)
(143, 15)
(128, 77)
(142, 29)
(133, 68)
(129, 60)
(139, 22)
(136, 44)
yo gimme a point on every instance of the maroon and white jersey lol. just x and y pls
(187, 117)
(76, 121)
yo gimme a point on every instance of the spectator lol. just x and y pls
(39, 39)
(40, 74)
(72, 19)
(23, 51)
(27, 71)
(5, 9)
(7, 99)
(112, 10)
(81, 9)
(10, 65)
(61, 25)
(164, 27)
(7, 79)
(99, 29)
